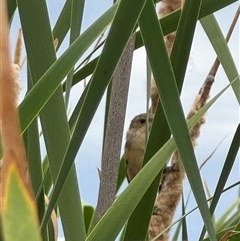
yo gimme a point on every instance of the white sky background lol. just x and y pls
(222, 118)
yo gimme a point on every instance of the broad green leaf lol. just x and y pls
(74, 117)
(21, 222)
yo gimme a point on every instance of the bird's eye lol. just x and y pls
(142, 120)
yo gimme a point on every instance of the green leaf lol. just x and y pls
(220, 234)
(184, 223)
(41, 54)
(11, 7)
(235, 236)
(25, 216)
(166, 83)
(126, 16)
(209, 7)
(220, 46)
(127, 201)
(168, 23)
(220, 223)
(121, 173)
(183, 41)
(75, 27)
(63, 23)
(34, 159)
(44, 89)
(231, 156)
(88, 212)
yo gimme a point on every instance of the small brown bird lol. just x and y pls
(135, 144)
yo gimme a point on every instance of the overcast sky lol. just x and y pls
(222, 118)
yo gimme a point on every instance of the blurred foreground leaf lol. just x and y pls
(18, 208)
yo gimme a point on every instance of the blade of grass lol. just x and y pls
(11, 8)
(220, 224)
(127, 201)
(216, 64)
(176, 234)
(183, 41)
(233, 219)
(168, 91)
(194, 209)
(184, 223)
(168, 23)
(121, 173)
(43, 90)
(34, 159)
(219, 44)
(180, 68)
(108, 98)
(88, 216)
(63, 23)
(209, 7)
(75, 28)
(126, 16)
(96, 47)
(41, 54)
(231, 156)
(74, 117)
(47, 181)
